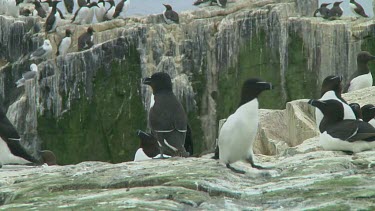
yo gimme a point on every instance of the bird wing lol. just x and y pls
(172, 15)
(352, 130)
(69, 4)
(39, 52)
(167, 114)
(29, 75)
(360, 11)
(8, 132)
(316, 11)
(61, 14)
(118, 9)
(49, 22)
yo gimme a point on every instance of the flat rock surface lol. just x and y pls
(304, 177)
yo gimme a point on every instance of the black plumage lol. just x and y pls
(38, 7)
(10, 136)
(368, 112)
(357, 110)
(85, 41)
(148, 143)
(169, 15)
(51, 22)
(336, 10)
(69, 5)
(221, 3)
(322, 10)
(167, 117)
(119, 8)
(334, 124)
(358, 9)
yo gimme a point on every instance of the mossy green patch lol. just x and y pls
(300, 82)
(104, 127)
(336, 207)
(256, 59)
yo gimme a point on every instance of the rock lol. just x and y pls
(315, 180)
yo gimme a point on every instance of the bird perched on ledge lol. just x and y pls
(86, 40)
(169, 15)
(322, 11)
(357, 9)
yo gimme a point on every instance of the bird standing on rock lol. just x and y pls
(100, 11)
(53, 19)
(65, 43)
(43, 51)
(38, 7)
(323, 11)
(28, 75)
(237, 135)
(169, 15)
(111, 10)
(335, 11)
(86, 40)
(168, 120)
(85, 14)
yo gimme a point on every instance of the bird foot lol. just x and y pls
(238, 171)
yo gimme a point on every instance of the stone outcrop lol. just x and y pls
(84, 102)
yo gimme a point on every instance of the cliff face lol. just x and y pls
(88, 105)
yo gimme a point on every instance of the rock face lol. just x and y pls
(84, 102)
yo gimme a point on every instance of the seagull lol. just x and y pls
(43, 51)
(28, 75)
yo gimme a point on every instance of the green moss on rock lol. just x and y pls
(103, 127)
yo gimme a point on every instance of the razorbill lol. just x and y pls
(69, 5)
(357, 9)
(53, 19)
(111, 10)
(336, 10)
(238, 133)
(357, 110)
(43, 51)
(167, 118)
(169, 15)
(362, 78)
(28, 75)
(100, 11)
(331, 89)
(368, 113)
(65, 43)
(121, 9)
(40, 11)
(85, 14)
(342, 135)
(11, 150)
(86, 40)
(322, 11)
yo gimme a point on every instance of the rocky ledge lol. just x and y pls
(302, 177)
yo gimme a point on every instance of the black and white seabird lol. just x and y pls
(28, 75)
(169, 15)
(121, 9)
(167, 118)
(368, 114)
(336, 10)
(357, 110)
(343, 135)
(357, 9)
(43, 51)
(221, 3)
(322, 11)
(11, 150)
(50, 7)
(69, 5)
(362, 78)
(82, 3)
(86, 40)
(38, 7)
(85, 14)
(65, 43)
(238, 133)
(100, 11)
(111, 10)
(331, 89)
(53, 19)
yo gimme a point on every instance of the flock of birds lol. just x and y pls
(336, 11)
(11, 149)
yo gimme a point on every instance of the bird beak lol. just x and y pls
(147, 81)
(316, 103)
